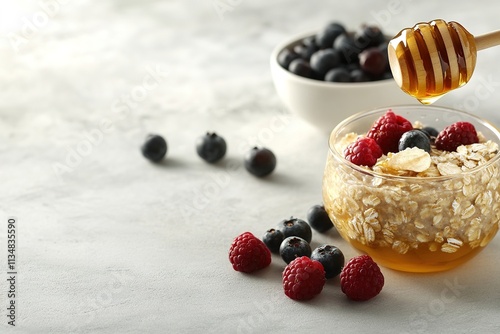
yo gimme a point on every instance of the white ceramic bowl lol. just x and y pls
(325, 104)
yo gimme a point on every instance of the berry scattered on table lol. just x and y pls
(456, 134)
(331, 258)
(361, 278)
(415, 138)
(154, 148)
(248, 253)
(211, 147)
(318, 218)
(294, 247)
(363, 152)
(388, 129)
(303, 278)
(260, 161)
(273, 239)
(295, 227)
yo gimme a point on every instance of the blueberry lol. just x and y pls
(154, 148)
(338, 74)
(326, 37)
(369, 36)
(331, 258)
(293, 247)
(318, 218)
(414, 138)
(324, 60)
(211, 147)
(295, 227)
(430, 131)
(260, 161)
(310, 41)
(372, 61)
(305, 51)
(301, 68)
(285, 57)
(347, 47)
(273, 239)
(359, 75)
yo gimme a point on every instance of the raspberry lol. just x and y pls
(361, 278)
(363, 152)
(388, 129)
(459, 133)
(248, 253)
(303, 278)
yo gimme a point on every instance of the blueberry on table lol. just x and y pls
(338, 74)
(154, 148)
(211, 147)
(324, 60)
(273, 239)
(295, 227)
(260, 161)
(318, 218)
(415, 138)
(331, 258)
(294, 247)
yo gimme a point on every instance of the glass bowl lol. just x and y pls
(410, 223)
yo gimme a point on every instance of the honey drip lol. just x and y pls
(431, 59)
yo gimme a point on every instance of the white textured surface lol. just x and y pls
(118, 245)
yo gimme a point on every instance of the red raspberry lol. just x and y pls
(388, 129)
(363, 152)
(248, 253)
(303, 278)
(361, 278)
(459, 133)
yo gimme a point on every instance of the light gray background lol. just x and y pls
(114, 244)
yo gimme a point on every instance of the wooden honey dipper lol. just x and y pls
(431, 59)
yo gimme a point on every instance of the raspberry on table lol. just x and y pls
(363, 152)
(456, 134)
(303, 278)
(248, 253)
(361, 278)
(388, 129)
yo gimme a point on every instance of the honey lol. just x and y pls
(431, 59)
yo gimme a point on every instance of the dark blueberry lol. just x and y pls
(347, 47)
(305, 51)
(414, 138)
(386, 75)
(318, 218)
(294, 247)
(430, 131)
(211, 147)
(338, 74)
(359, 75)
(331, 258)
(260, 161)
(301, 67)
(154, 148)
(326, 37)
(285, 57)
(369, 36)
(295, 227)
(310, 41)
(324, 60)
(372, 61)
(273, 239)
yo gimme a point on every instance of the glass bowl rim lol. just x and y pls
(338, 156)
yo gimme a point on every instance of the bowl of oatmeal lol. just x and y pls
(416, 210)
